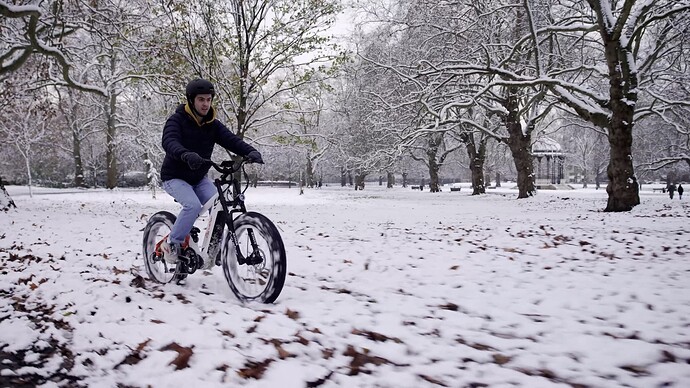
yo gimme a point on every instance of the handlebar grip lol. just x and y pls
(226, 166)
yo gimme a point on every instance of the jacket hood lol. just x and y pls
(209, 118)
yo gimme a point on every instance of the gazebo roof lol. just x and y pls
(546, 146)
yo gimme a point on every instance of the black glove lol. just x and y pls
(255, 157)
(193, 160)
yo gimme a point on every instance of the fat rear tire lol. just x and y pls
(157, 269)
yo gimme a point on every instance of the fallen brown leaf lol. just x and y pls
(183, 355)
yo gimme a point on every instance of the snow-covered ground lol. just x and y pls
(386, 288)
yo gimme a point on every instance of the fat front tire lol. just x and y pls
(261, 282)
(157, 228)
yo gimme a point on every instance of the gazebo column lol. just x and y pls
(548, 169)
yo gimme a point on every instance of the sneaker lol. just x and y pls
(171, 251)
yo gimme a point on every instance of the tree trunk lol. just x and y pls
(622, 189)
(6, 201)
(390, 180)
(27, 162)
(477, 171)
(343, 177)
(70, 116)
(309, 172)
(110, 144)
(434, 142)
(359, 181)
(522, 156)
(477, 156)
(433, 172)
(78, 164)
(520, 144)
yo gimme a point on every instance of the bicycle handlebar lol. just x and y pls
(227, 166)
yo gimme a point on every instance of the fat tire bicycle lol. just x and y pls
(246, 244)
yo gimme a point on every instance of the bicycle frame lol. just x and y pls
(221, 214)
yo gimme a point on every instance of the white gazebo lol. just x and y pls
(549, 159)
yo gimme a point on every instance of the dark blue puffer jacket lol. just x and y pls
(183, 133)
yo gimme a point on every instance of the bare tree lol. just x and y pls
(26, 127)
(631, 40)
(447, 67)
(31, 29)
(81, 118)
(587, 149)
(306, 123)
(595, 56)
(433, 151)
(251, 50)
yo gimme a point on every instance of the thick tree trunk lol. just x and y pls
(477, 171)
(477, 156)
(390, 180)
(520, 144)
(359, 181)
(309, 172)
(434, 142)
(433, 172)
(622, 189)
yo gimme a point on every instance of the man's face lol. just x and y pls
(202, 103)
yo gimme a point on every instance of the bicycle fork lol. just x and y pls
(238, 201)
(255, 257)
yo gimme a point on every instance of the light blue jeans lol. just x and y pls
(192, 198)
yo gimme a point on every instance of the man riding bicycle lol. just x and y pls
(189, 137)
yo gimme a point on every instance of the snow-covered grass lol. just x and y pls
(386, 288)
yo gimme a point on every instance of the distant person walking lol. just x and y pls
(680, 191)
(671, 190)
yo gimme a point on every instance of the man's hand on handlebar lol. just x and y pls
(193, 160)
(254, 157)
(231, 166)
